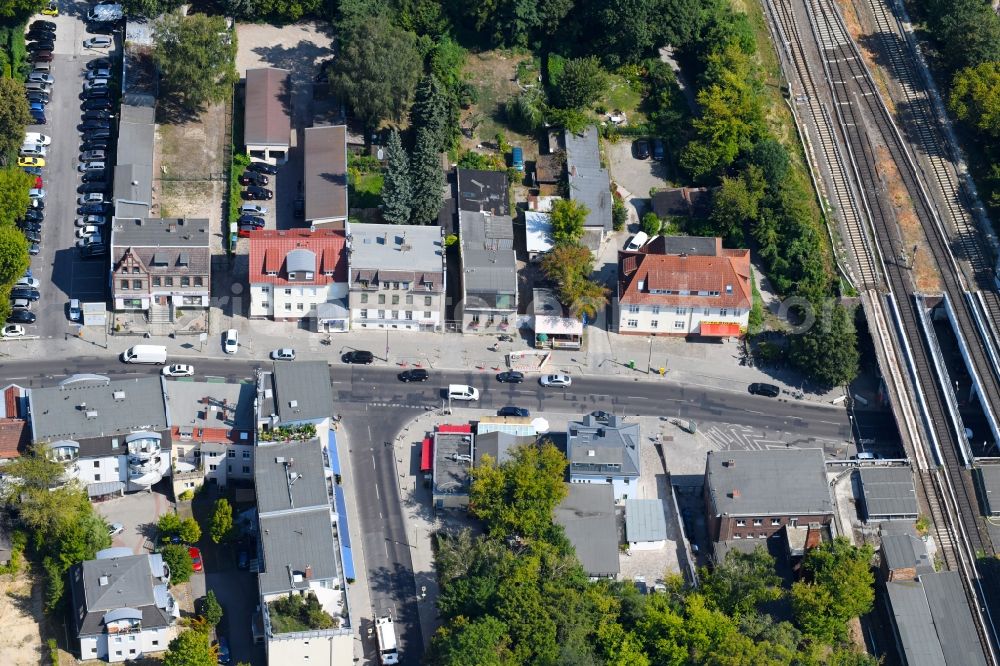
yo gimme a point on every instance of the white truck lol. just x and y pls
(156, 354)
(106, 13)
(385, 632)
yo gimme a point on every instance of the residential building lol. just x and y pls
(605, 453)
(497, 444)
(587, 516)
(589, 183)
(755, 494)
(489, 274)
(554, 326)
(888, 493)
(15, 436)
(482, 192)
(686, 201)
(112, 435)
(300, 556)
(267, 124)
(397, 277)
(325, 151)
(683, 285)
(160, 265)
(645, 524)
(133, 183)
(212, 428)
(903, 557)
(292, 395)
(538, 234)
(453, 450)
(297, 274)
(121, 605)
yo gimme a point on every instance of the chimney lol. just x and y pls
(309, 571)
(735, 494)
(731, 462)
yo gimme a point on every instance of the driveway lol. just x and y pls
(139, 513)
(636, 176)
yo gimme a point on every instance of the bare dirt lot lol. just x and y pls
(20, 612)
(494, 74)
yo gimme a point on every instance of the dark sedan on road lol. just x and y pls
(510, 377)
(254, 193)
(261, 167)
(642, 149)
(769, 390)
(42, 23)
(99, 63)
(358, 356)
(417, 375)
(92, 209)
(88, 188)
(511, 410)
(21, 317)
(34, 215)
(41, 56)
(97, 114)
(96, 93)
(95, 176)
(94, 145)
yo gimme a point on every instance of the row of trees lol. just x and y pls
(517, 595)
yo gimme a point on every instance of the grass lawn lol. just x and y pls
(622, 97)
(364, 189)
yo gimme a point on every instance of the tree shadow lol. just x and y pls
(171, 111)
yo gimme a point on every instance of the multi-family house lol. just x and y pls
(300, 274)
(293, 395)
(121, 605)
(159, 265)
(605, 452)
(112, 435)
(397, 277)
(684, 285)
(489, 274)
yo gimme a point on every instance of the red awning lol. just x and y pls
(461, 428)
(427, 455)
(720, 329)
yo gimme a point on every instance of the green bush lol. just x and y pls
(651, 224)
(619, 214)
(240, 163)
(176, 557)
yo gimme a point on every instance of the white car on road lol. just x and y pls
(556, 381)
(36, 193)
(231, 341)
(12, 331)
(178, 370)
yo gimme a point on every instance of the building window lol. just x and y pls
(97, 477)
(364, 314)
(724, 312)
(427, 301)
(185, 281)
(265, 304)
(199, 281)
(427, 314)
(741, 523)
(775, 521)
(381, 299)
(212, 468)
(288, 306)
(395, 299)
(288, 292)
(168, 281)
(654, 323)
(156, 642)
(757, 522)
(157, 281)
(266, 289)
(406, 285)
(395, 314)
(409, 316)
(682, 311)
(633, 323)
(633, 309)
(409, 299)
(232, 453)
(246, 469)
(246, 454)
(708, 311)
(125, 284)
(737, 536)
(137, 284)
(679, 324)
(364, 298)
(656, 309)
(97, 463)
(381, 314)
(395, 285)
(300, 306)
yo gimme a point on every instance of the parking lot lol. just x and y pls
(635, 175)
(138, 514)
(60, 269)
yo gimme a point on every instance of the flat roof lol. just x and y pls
(302, 390)
(397, 247)
(325, 172)
(452, 462)
(991, 485)
(773, 482)
(289, 477)
(481, 191)
(587, 515)
(888, 492)
(538, 232)
(550, 315)
(645, 520)
(162, 232)
(903, 551)
(203, 405)
(85, 406)
(294, 543)
(267, 119)
(488, 261)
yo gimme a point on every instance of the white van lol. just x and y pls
(462, 392)
(32, 150)
(637, 241)
(145, 354)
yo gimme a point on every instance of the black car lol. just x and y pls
(93, 135)
(96, 93)
(98, 104)
(38, 119)
(251, 219)
(510, 377)
(253, 178)
(32, 236)
(261, 167)
(642, 149)
(46, 45)
(769, 390)
(37, 96)
(92, 209)
(41, 35)
(93, 251)
(42, 23)
(34, 216)
(32, 227)
(95, 176)
(94, 125)
(99, 63)
(254, 193)
(34, 249)
(34, 171)
(359, 356)
(37, 204)
(87, 188)
(21, 317)
(418, 375)
(510, 410)
(94, 145)
(97, 114)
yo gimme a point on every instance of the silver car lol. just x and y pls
(555, 381)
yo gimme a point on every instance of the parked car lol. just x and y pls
(37, 138)
(94, 125)
(93, 251)
(245, 229)
(30, 162)
(37, 96)
(101, 144)
(555, 381)
(32, 171)
(38, 119)
(51, 9)
(99, 63)
(35, 193)
(114, 529)
(94, 84)
(252, 220)
(33, 250)
(75, 312)
(42, 23)
(99, 73)
(41, 78)
(26, 293)
(93, 188)
(99, 42)
(223, 650)
(21, 317)
(96, 104)
(93, 135)
(760, 388)
(253, 178)
(95, 176)
(284, 354)
(96, 93)
(416, 375)
(359, 356)
(253, 209)
(90, 197)
(34, 215)
(33, 228)
(511, 410)
(601, 416)
(28, 281)
(41, 45)
(231, 341)
(196, 562)
(257, 193)
(92, 209)
(42, 56)
(87, 230)
(92, 156)
(91, 166)
(98, 114)
(658, 151)
(178, 370)
(641, 147)
(262, 167)
(510, 377)
(32, 236)
(12, 331)
(90, 219)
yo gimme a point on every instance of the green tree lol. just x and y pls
(651, 224)
(583, 82)
(211, 609)
(177, 558)
(426, 179)
(189, 531)
(168, 525)
(567, 218)
(968, 32)
(14, 261)
(20, 8)
(567, 263)
(196, 56)
(828, 351)
(190, 648)
(627, 31)
(975, 97)
(430, 111)
(517, 22)
(771, 158)
(14, 116)
(221, 526)
(483, 641)
(736, 204)
(32, 470)
(839, 586)
(149, 8)
(742, 582)
(396, 192)
(14, 186)
(376, 70)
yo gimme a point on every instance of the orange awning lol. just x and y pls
(720, 329)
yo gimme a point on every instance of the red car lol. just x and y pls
(195, 558)
(38, 183)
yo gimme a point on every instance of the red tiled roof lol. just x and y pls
(10, 397)
(269, 247)
(13, 437)
(692, 273)
(219, 435)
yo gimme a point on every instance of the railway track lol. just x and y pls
(842, 194)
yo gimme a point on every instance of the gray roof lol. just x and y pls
(699, 246)
(267, 119)
(300, 259)
(903, 551)
(452, 461)
(587, 515)
(774, 482)
(325, 172)
(293, 542)
(596, 448)
(133, 190)
(991, 485)
(302, 391)
(888, 493)
(497, 443)
(134, 172)
(381, 246)
(85, 406)
(165, 232)
(645, 520)
(933, 621)
(289, 477)
(483, 191)
(589, 182)
(211, 405)
(128, 583)
(488, 261)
